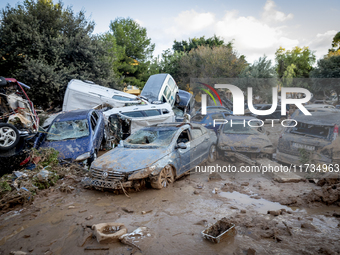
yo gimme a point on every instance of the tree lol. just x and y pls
(206, 62)
(335, 43)
(135, 50)
(170, 63)
(327, 68)
(261, 76)
(301, 58)
(44, 45)
(187, 46)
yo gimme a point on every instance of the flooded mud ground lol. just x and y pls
(270, 218)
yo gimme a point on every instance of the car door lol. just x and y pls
(184, 155)
(95, 128)
(196, 148)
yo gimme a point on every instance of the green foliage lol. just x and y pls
(194, 43)
(170, 63)
(45, 46)
(301, 58)
(335, 43)
(4, 186)
(261, 76)
(49, 156)
(133, 50)
(327, 68)
(206, 62)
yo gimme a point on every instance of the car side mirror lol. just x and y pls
(181, 146)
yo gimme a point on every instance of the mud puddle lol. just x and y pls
(260, 205)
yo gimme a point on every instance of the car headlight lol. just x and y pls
(142, 173)
(84, 156)
(268, 149)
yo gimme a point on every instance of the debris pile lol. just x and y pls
(20, 187)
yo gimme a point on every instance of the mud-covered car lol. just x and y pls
(237, 138)
(18, 119)
(158, 154)
(317, 134)
(77, 135)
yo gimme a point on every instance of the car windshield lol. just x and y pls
(311, 130)
(238, 127)
(178, 112)
(150, 137)
(71, 129)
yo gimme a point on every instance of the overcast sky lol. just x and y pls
(257, 27)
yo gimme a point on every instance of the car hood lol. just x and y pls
(128, 159)
(235, 140)
(69, 149)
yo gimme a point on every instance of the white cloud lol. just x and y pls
(322, 42)
(191, 21)
(253, 36)
(272, 15)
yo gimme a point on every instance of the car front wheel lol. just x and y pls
(212, 153)
(164, 178)
(9, 136)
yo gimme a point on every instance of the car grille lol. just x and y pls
(246, 149)
(111, 175)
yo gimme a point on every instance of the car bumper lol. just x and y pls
(295, 160)
(101, 184)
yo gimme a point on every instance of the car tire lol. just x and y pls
(177, 99)
(212, 153)
(9, 136)
(164, 178)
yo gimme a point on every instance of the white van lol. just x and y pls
(86, 95)
(161, 87)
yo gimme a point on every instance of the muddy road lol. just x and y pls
(58, 223)
(304, 218)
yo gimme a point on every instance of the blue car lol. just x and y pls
(77, 135)
(208, 119)
(157, 154)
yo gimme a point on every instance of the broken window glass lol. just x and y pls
(238, 127)
(159, 137)
(64, 130)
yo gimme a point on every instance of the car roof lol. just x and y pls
(320, 118)
(153, 86)
(184, 97)
(73, 115)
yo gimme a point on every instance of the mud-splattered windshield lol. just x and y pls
(238, 127)
(64, 130)
(150, 137)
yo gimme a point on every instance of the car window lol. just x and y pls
(238, 127)
(122, 98)
(93, 122)
(150, 137)
(183, 137)
(152, 112)
(196, 133)
(198, 117)
(217, 116)
(167, 92)
(72, 129)
(95, 116)
(135, 114)
(172, 84)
